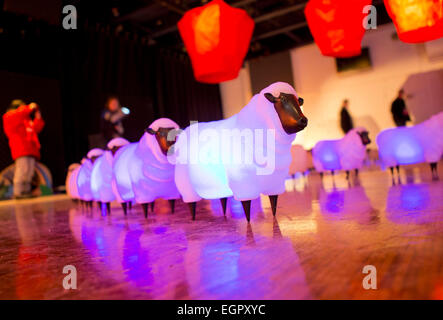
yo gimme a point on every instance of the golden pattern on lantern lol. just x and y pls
(412, 15)
(207, 29)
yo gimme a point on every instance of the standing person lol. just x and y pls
(111, 121)
(399, 111)
(346, 122)
(22, 123)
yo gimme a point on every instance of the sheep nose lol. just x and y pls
(304, 121)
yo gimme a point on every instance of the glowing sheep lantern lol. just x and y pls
(210, 165)
(346, 154)
(336, 26)
(84, 176)
(410, 145)
(416, 20)
(102, 174)
(217, 38)
(151, 173)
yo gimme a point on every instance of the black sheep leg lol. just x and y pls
(130, 205)
(145, 209)
(356, 173)
(273, 200)
(347, 174)
(434, 170)
(152, 206)
(192, 208)
(125, 208)
(223, 203)
(108, 208)
(172, 205)
(247, 208)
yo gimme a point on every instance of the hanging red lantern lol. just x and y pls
(217, 38)
(337, 26)
(416, 20)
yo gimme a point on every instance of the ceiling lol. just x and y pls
(279, 24)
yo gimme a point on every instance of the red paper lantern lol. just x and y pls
(217, 38)
(416, 20)
(337, 26)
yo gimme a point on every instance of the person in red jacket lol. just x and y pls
(21, 124)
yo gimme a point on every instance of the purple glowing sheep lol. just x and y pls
(152, 174)
(410, 145)
(102, 175)
(84, 176)
(346, 154)
(216, 169)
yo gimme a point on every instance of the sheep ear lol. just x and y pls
(150, 131)
(270, 97)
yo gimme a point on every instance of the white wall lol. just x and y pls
(236, 93)
(370, 91)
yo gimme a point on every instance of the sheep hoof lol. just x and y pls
(172, 205)
(273, 200)
(223, 203)
(152, 206)
(145, 209)
(247, 208)
(192, 208)
(125, 208)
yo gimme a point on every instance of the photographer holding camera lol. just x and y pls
(22, 123)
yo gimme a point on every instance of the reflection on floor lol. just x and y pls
(324, 234)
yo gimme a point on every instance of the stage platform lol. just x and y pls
(323, 236)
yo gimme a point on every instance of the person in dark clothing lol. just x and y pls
(346, 122)
(111, 119)
(399, 111)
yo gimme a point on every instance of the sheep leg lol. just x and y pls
(108, 208)
(99, 205)
(356, 172)
(434, 169)
(347, 174)
(145, 209)
(273, 200)
(223, 203)
(172, 205)
(152, 206)
(247, 208)
(130, 205)
(321, 175)
(192, 208)
(125, 208)
(398, 170)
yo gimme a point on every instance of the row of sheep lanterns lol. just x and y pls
(161, 166)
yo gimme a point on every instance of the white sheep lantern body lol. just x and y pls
(84, 176)
(300, 160)
(243, 156)
(71, 181)
(411, 145)
(102, 174)
(346, 154)
(152, 174)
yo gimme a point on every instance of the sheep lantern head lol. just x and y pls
(165, 137)
(288, 108)
(115, 144)
(364, 136)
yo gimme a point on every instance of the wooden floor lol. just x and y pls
(316, 248)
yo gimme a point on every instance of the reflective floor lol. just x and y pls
(316, 248)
